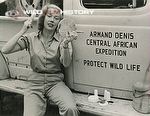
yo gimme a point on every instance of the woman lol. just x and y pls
(48, 52)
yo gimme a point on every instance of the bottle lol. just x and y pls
(106, 95)
(94, 98)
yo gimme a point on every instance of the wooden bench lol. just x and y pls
(118, 108)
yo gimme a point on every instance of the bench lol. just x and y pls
(119, 107)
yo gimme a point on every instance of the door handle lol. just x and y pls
(79, 32)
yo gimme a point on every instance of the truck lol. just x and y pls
(112, 49)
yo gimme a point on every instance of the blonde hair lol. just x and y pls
(46, 7)
(40, 22)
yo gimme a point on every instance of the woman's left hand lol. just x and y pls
(70, 36)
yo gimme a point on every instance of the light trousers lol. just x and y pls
(37, 95)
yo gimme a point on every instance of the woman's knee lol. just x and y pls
(69, 107)
(69, 110)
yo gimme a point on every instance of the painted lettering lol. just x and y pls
(133, 67)
(122, 35)
(116, 65)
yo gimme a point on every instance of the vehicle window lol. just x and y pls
(96, 4)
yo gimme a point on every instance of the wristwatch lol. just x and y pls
(65, 45)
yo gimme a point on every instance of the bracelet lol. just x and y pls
(65, 46)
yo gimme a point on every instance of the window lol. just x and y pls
(118, 4)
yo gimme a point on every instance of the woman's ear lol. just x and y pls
(62, 16)
(58, 26)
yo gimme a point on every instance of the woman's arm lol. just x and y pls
(12, 46)
(66, 53)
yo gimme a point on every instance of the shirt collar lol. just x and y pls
(56, 36)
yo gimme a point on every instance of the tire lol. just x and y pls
(25, 5)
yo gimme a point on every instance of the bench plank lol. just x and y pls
(13, 85)
(118, 108)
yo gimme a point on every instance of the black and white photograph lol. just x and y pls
(74, 57)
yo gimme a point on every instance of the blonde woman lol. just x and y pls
(48, 52)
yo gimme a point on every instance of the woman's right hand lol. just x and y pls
(27, 25)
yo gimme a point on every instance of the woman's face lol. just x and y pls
(52, 18)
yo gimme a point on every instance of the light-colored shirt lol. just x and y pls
(44, 59)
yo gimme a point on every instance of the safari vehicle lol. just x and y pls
(112, 49)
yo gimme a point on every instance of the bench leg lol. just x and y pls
(1, 102)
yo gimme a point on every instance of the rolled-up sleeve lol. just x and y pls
(23, 42)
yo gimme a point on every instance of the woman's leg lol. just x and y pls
(34, 101)
(63, 97)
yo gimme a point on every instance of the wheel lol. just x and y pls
(26, 7)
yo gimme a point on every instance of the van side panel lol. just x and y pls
(112, 49)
